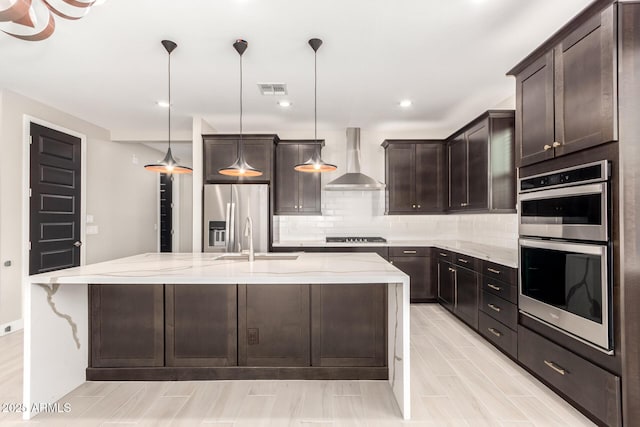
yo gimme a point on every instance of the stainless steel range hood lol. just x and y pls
(353, 180)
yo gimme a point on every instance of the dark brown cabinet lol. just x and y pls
(348, 325)
(201, 325)
(220, 151)
(466, 295)
(415, 176)
(127, 325)
(296, 193)
(481, 164)
(416, 262)
(273, 323)
(567, 97)
(446, 284)
(458, 285)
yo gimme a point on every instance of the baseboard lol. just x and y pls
(10, 327)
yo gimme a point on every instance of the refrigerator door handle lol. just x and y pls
(232, 229)
(227, 236)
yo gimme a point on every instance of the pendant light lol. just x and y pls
(315, 163)
(168, 165)
(240, 167)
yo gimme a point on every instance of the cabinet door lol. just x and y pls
(430, 180)
(273, 324)
(349, 325)
(259, 154)
(467, 296)
(286, 187)
(446, 290)
(219, 154)
(585, 85)
(201, 325)
(534, 112)
(420, 271)
(478, 166)
(400, 178)
(309, 194)
(127, 326)
(458, 172)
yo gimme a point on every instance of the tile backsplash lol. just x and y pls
(361, 213)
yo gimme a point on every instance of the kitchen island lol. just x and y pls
(60, 322)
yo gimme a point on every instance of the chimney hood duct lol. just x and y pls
(353, 180)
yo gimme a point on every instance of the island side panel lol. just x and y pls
(55, 343)
(398, 352)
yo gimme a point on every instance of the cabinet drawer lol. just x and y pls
(410, 251)
(588, 385)
(465, 261)
(503, 337)
(499, 309)
(500, 272)
(501, 289)
(443, 254)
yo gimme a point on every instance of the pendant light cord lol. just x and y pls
(315, 96)
(169, 136)
(240, 147)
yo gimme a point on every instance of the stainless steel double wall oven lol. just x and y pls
(565, 251)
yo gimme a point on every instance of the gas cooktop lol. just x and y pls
(356, 240)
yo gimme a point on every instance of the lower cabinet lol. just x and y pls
(466, 306)
(416, 262)
(127, 325)
(446, 284)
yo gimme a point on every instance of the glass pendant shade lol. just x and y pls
(240, 167)
(315, 163)
(168, 165)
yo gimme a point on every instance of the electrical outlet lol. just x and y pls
(253, 336)
(7, 329)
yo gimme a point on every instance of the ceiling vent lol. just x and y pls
(273, 88)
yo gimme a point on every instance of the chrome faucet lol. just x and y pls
(248, 232)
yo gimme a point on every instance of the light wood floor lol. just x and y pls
(457, 380)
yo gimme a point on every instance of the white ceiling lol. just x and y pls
(448, 56)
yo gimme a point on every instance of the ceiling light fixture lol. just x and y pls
(406, 103)
(168, 165)
(284, 104)
(240, 167)
(315, 163)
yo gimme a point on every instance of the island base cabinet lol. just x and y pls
(201, 328)
(349, 325)
(127, 325)
(273, 323)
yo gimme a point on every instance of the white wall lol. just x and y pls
(121, 196)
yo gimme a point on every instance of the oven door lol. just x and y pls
(578, 212)
(567, 286)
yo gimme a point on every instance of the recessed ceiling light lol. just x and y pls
(284, 103)
(163, 104)
(405, 103)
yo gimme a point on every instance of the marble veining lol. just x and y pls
(51, 290)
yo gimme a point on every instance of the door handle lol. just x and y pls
(77, 244)
(556, 144)
(546, 147)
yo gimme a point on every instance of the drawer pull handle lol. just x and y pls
(409, 252)
(494, 307)
(555, 367)
(492, 270)
(463, 260)
(443, 254)
(495, 332)
(494, 287)
(556, 144)
(546, 147)
(452, 270)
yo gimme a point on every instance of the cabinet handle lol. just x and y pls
(555, 367)
(494, 308)
(443, 254)
(556, 144)
(451, 270)
(494, 287)
(295, 206)
(300, 207)
(495, 332)
(418, 206)
(546, 147)
(463, 260)
(492, 270)
(413, 206)
(409, 252)
(391, 262)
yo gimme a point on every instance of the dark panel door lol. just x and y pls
(585, 85)
(309, 194)
(127, 325)
(458, 172)
(201, 325)
(430, 177)
(534, 112)
(401, 177)
(287, 187)
(54, 230)
(219, 154)
(419, 270)
(273, 325)
(478, 166)
(259, 154)
(348, 325)
(502, 163)
(467, 296)
(446, 290)
(166, 212)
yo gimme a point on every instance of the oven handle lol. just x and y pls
(581, 248)
(578, 190)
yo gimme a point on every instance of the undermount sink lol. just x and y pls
(258, 257)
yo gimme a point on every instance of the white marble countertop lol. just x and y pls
(497, 254)
(204, 268)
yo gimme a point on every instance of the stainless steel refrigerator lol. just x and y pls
(225, 212)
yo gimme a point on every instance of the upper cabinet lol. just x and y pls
(296, 193)
(221, 151)
(415, 173)
(481, 164)
(566, 95)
